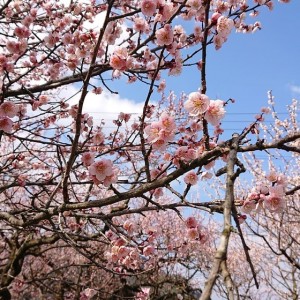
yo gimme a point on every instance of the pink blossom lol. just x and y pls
(124, 117)
(98, 137)
(242, 219)
(191, 222)
(6, 124)
(191, 178)
(167, 122)
(160, 144)
(148, 7)
(193, 233)
(22, 32)
(8, 109)
(141, 25)
(164, 36)
(88, 158)
(43, 99)
(119, 58)
(16, 47)
(101, 169)
(153, 130)
(215, 112)
(87, 294)
(128, 226)
(111, 178)
(248, 206)
(275, 200)
(148, 250)
(197, 104)
(158, 193)
(224, 26)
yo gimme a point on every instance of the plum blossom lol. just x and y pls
(120, 59)
(148, 7)
(164, 36)
(22, 32)
(101, 169)
(148, 250)
(8, 109)
(275, 200)
(248, 206)
(6, 124)
(88, 158)
(191, 222)
(161, 132)
(191, 178)
(215, 112)
(197, 104)
(224, 26)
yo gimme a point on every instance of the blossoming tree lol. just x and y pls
(84, 209)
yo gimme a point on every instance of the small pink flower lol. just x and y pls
(248, 206)
(191, 222)
(193, 233)
(6, 124)
(128, 226)
(215, 112)
(101, 169)
(242, 219)
(8, 109)
(275, 201)
(119, 58)
(148, 7)
(98, 137)
(22, 32)
(164, 36)
(43, 99)
(148, 250)
(124, 117)
(224, 26)
(191, 178)
(197, 104)
(87, 158)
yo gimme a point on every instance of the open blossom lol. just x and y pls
(248, 206)
(148, 7)
(161, 132)
(191, 222)
(6, 124)
(16, 47)
(98, 137)
(191, 178)
(119, 59)
(22, 32)
(101, 169)
(224, 26)
(148, 250)
(140, 24)
(215, 112)
(8, 109)
(164, 36)
(275, 201)
(197, 104)
(88, 158)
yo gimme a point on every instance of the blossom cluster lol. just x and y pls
(200, 105)
(160, 133)
(8, 110)
(267, 197)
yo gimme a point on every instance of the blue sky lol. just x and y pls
(246, 67)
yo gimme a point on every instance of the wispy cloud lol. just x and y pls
(294, 88)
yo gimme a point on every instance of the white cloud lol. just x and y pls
(294, 88)
(107, 106)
